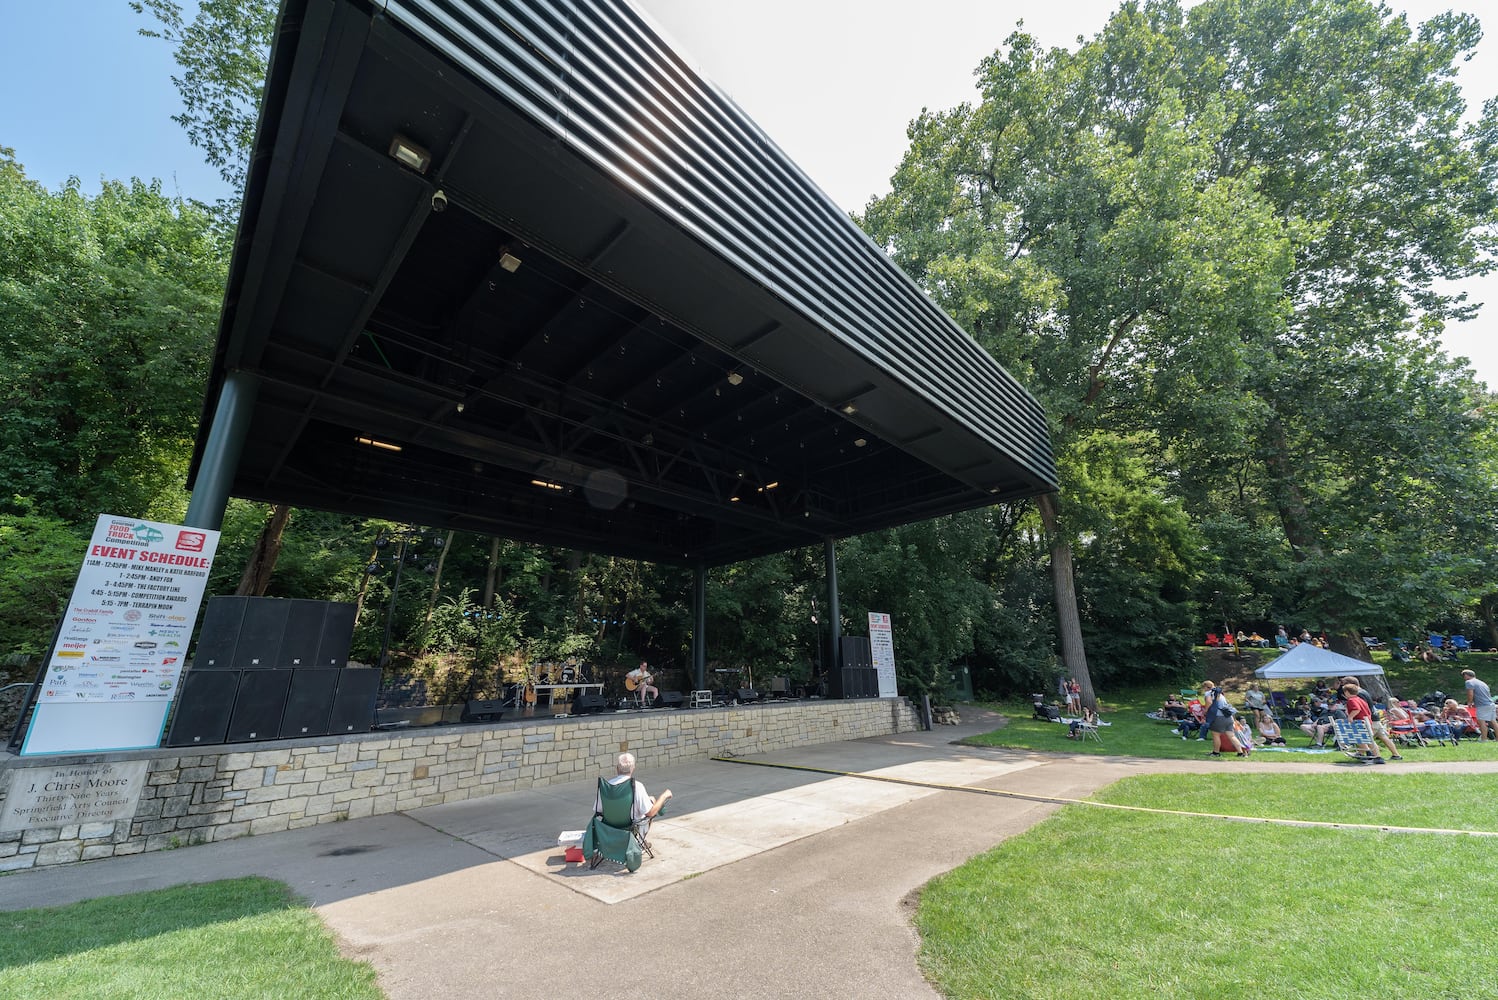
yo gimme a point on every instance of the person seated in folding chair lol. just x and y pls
(622, 812)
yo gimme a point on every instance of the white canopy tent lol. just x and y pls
(1306, 660)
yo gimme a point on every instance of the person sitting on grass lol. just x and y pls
(1269, 730)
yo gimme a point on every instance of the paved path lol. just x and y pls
(770, 883)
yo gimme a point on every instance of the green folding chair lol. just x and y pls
(612, 832)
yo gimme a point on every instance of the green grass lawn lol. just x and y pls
(239, 939)
(1130, 733)
(1121, 904)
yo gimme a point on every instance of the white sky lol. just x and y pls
(835, 82)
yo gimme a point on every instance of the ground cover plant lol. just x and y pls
(1131, 904)
(238, 939)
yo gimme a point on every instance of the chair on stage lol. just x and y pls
(612, 832)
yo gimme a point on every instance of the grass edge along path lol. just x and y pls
(238, 938)
(1157, 904)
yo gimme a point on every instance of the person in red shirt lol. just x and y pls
(1357, 709)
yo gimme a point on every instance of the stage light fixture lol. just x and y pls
(734, 378)
(377, 443)
(408, 154)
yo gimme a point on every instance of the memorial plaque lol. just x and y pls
(42, 797)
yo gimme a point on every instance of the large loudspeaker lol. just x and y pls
(202, 714)
(671, 699)
(747, 695)
(337, 635)
(258, 707)
(589, 704)
(309, 702)
(303, 634)
(483, 710)
(220, 633)
(260, 633)
(354, 704)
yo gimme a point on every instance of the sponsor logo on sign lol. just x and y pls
(145, 534)
(191, 541)
(176, 618)
(132, 615)
(106, 612)
(83, 621)
(122, 696)
(168, 661)
(145, 645)
(165, 685)
(121, 531)
(74, 645)
(105, 659)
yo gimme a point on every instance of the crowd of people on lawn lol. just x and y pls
(1413, 723)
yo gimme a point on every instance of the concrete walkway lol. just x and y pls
(768, 882)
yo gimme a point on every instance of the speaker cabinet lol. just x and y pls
(302, 635)
(309, 702)
(671, 699)
(589, 704)
(354, 703)
(747, 695)
(260, 633)
(480, 710)
(337, 635)
(220, 633)
(202, 712)
(259, 705)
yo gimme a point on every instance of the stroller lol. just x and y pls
(1042, 711)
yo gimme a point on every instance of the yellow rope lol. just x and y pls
(1060, 800)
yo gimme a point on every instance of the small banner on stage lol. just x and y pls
(882, 652)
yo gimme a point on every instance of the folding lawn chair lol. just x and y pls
(1351, 735)
(613, 832)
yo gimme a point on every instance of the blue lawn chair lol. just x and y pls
(1460, 643)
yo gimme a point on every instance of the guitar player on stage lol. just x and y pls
(639, 679)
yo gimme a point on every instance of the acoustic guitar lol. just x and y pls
(633, 684)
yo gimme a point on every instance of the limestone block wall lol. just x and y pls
(248, 789)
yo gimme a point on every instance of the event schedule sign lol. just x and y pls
(127, 626)
(882, 652)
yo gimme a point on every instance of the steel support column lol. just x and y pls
(834, 623)
(231, 423)
(699, 627)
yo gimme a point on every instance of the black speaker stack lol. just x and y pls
(270, 668)
(672, 699)
(857, 677)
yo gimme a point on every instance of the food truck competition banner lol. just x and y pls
(118, 660)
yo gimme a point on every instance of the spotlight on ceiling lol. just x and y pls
(849, 409)
(734, 378)
(377, 443)
(546, 484)
(408, 154)
(860, 442)
(509, 262)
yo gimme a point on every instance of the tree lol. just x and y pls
(1225, 227)
(107, 311)
(223, 52)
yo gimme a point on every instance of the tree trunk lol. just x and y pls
(437, 576)
(1068, 621)
(262, 561)
(491, 575)
(1487, 605)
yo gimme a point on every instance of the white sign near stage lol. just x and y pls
(882, 652)
(118, 659)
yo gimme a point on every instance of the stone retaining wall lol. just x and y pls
(247, 789)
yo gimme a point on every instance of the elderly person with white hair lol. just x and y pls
(645, 808)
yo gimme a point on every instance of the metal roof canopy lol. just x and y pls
(635, 327)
